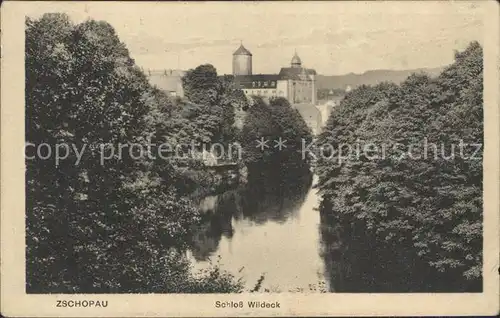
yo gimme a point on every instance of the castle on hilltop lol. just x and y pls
(295, 83)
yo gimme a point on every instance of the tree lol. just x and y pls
(217, 101)
(117, 225)
(202, 86)
(425, 198)
(274, 122)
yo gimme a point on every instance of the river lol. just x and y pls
(268, 229)
(271, 228)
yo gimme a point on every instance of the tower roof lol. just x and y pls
(296, 59)
(242, 51)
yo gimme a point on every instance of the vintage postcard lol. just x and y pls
(212, 159)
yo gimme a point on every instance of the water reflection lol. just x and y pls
(270, 227)
(267, 197)
(218, 210)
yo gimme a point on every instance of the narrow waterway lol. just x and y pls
(265, 228)
(271, 228)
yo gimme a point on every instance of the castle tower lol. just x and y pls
(242, 61)
(296, 62)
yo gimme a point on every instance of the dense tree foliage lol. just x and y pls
(205, 123)
(93, 225)
(215, 101)
(405, 186)
(271, 123)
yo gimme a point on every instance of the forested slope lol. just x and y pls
(419, 183)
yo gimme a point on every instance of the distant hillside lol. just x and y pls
(370, 77)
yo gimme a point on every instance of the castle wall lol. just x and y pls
(282, 89)
(301, 91)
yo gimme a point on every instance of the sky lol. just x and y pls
(331, 37)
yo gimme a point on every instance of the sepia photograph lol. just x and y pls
(255, 152)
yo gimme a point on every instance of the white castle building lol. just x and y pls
(295, 83)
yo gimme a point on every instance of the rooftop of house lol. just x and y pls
(295, 72)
